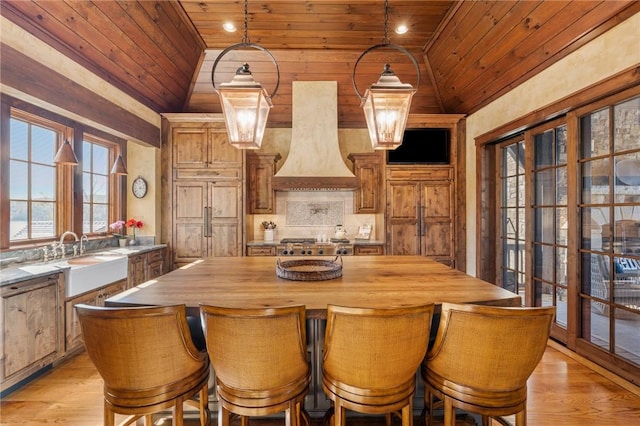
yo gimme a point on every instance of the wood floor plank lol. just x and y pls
(564, 390)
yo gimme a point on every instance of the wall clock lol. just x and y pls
(139, 187)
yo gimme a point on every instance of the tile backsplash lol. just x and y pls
(306, 214)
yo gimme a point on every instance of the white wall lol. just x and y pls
(612, 52)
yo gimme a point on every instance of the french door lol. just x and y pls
(568, 203)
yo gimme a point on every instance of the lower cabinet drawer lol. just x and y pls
(261, 251)
(368, 250)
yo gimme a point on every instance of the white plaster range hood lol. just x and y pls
(314, 162)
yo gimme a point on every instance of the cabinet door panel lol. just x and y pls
(190, 227)
(436, 200)
(437, 220)
(31, 327)
(403, 200)
(189, 242)
(74, 332)
(190, 202)
(223, 153)
(190, 148)
(403, 239)
(224, 239)
(224, 200)
(437, 239)
(136, 269)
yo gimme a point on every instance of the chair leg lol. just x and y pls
(449, 412)
(428, 408)
(223, 416)
(292, 415)
(205, 414)
(407, 414)
(339, 415)
(178, 413)
(388, 418)
(486, 421)
(109, 416)
(521, 417)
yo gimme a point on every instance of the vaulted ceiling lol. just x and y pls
(468, 52)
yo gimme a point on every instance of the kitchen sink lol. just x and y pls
(90, 260)
(86, 273)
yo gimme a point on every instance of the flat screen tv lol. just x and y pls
(422, 146)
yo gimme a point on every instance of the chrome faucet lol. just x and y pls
(61, 244)
(84, 239)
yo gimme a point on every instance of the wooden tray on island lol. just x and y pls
(309, 269)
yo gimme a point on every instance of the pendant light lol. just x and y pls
(118, 166)
(387, 102)
(245, 103)
(65, 155)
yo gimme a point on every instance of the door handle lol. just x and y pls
(207, 222)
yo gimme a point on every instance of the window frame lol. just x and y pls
(69, 202)
(61, 132)
(113, 190)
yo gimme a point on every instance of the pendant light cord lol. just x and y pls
(385, 40)
(245, 39)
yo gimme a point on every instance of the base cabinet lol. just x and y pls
(32, 324)
(145, 266)
(95, 298)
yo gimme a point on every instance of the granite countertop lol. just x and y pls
(18, 272)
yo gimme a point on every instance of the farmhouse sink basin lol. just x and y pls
(90, 260)
(86, 273)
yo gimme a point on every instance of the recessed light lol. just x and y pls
(401, 29)
(229, 27)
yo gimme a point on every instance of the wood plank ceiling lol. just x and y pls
(469, 52)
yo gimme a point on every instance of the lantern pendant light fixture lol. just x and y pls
(65, 155)
(245, 103)
(386, 103)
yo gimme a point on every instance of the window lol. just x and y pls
(550, 234)
(95, 185)
(512, 213)
(33, 179)
(610, 225)
(46, 199)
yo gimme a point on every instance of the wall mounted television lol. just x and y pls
(422, 146)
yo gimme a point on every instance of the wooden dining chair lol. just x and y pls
(147, 361)
(371, 357)
(482, 358)
(260, 361)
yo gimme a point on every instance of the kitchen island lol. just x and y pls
(366, 281)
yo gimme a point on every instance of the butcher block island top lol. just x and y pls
(366, 281)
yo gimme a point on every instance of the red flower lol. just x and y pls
(133, 223)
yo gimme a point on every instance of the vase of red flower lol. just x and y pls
(133, 224)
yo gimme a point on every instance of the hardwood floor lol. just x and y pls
(563, 390)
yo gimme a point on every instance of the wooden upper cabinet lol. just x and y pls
(369, 169)
(203, 148)
(260, 171)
